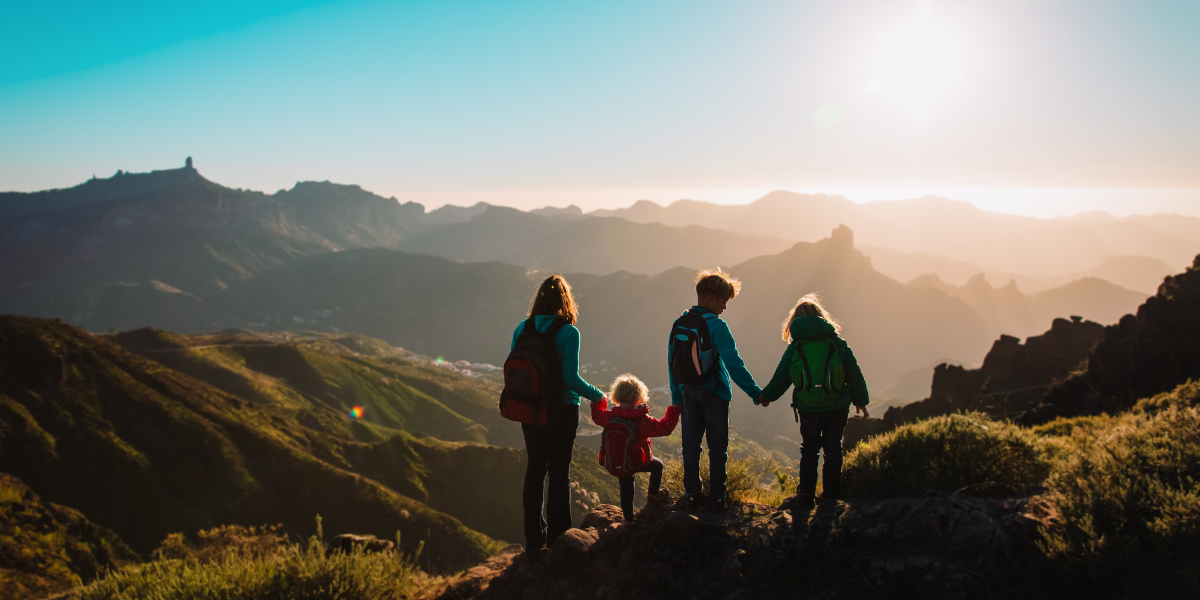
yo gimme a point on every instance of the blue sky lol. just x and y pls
(533, 103)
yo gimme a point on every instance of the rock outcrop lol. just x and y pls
(1140, 356)
(935, 546)
(1013, 378)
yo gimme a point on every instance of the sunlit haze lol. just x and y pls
(1033, 108)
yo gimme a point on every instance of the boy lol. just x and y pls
(702, 357)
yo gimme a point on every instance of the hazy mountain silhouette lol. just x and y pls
(1007, 310)
(930, 225)
(592, 245)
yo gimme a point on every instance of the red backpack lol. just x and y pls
(619, 443)
(532, 375)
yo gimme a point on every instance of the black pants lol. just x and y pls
(548, 448)
(822, 432)
(655, 468)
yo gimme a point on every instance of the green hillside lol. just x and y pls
(146, 451)
(47, 548)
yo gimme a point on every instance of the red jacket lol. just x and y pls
(647, 426)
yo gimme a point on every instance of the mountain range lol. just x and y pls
(173, 250)
(949, 228)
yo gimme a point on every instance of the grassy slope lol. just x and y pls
(1119, 513)
(46, 548)
(313, 379)
(148, 451)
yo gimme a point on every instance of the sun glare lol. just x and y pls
(920, 62)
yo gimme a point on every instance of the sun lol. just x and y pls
(920, 62)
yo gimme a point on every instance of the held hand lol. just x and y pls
(759, 401)
(863, 411)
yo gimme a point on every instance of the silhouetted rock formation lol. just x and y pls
(1138, 357)
(1013, 377)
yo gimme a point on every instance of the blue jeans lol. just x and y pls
(822, 432)
(704, 412)
(655, 467)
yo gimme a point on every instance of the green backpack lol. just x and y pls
(817, 373)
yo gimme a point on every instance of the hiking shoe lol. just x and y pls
(694, 502)
(660, 497)
(807, 502)
(625, 526)
(719, 505)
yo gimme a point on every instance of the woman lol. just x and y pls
(549, 446)
(828, 380)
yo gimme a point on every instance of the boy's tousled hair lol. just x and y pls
(808, 305)
(554, 297)
(717, 283)
(627, 389)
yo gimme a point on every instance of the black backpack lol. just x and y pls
(692, 351)
(532, 375)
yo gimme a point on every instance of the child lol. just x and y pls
(827, 380)
(626, 457)
(702, 358)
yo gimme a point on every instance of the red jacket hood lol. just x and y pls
(640, 410)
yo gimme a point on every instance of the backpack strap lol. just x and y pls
(807, 371)
(828, 364)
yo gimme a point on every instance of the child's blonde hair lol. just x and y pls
(808, 306)
(627, 389)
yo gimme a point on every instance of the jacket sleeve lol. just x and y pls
(781, 380)
(676, 390)
(516, 334)
(600, 413)
(727, 349)
(854, 376)
(570, 365)
(651, 427)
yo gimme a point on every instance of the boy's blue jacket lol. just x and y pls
(567, 342)
(728, 364)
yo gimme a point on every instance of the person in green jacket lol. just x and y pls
(822, 425)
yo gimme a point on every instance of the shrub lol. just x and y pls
(297, 572)
(1125, 508)
(944, 453)
(213, 544)
(744, 477)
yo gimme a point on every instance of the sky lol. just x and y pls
(1021, 106)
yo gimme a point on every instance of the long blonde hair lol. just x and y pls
(808, 305)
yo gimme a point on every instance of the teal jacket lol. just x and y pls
(811, 328)
(728, 364)
(567, 342)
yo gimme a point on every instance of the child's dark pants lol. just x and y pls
(822, 432)
(655, 468)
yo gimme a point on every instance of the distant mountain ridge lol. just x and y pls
(950, 228)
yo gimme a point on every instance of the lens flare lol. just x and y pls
(439, 360)
(356, 412)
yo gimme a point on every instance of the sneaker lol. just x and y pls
(662, 496)
(694, 502)
(807, 502)
(625, 525)
(719, 505)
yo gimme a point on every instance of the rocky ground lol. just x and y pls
(936, 546)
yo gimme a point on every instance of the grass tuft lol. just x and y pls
(946, 454)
